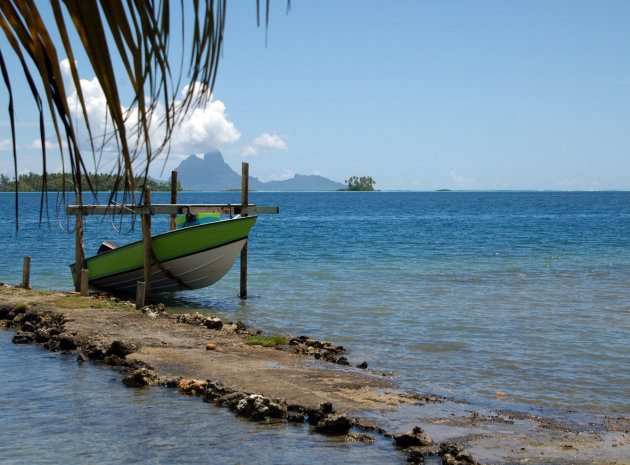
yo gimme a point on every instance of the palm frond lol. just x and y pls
(134, 33)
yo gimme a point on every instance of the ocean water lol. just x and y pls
(458, 293)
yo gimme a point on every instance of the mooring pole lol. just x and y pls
(172, 225)
(146, 241)
(140, 294)
(26, 273)
(85, 275)
(79, 255)
(244, 201)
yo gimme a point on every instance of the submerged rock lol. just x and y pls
(324, 420)
(334, 424)
(455, 454)
(315, 415)
(415, 437)
(169, 381)
(418, 454)
(296, 417)
(359, 437)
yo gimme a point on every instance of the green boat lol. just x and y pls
(197, 254)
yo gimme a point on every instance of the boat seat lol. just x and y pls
(194, 219)
(106, 246)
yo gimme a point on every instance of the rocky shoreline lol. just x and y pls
(203, 356)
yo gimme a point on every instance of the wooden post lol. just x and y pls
(140, 291)
(244, 201)
(146, 241)
(26, 273)
(172, 225)
(79, 254)
(85, 275)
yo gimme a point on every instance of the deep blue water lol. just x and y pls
(464, 293)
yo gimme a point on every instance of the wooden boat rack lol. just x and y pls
(146, 210)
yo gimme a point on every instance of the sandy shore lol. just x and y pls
(172, 348)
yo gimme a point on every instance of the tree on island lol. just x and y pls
(364, 183)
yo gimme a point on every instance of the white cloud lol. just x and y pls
(316, 173)
(265, 141)
(461, 182)
(7, 144)
(37, 144)
(204, 129)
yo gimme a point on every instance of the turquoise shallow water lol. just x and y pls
(461, 293)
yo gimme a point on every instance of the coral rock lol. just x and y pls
(120, 349)
(213, 323)
(139, 378)
(415, 437)
(256, 408)
(334, 424)
(455, 454)
(23, 337)
(193, 386)
(67, 342)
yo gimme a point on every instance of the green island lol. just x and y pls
(33, 182)
(363, 183)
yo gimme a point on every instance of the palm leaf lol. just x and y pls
(135, 33)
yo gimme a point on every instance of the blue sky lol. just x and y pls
(419, 95)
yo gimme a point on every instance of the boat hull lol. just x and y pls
(187, 258)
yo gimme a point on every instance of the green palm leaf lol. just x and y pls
(135, 33)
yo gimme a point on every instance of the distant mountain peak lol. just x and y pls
(211, 173)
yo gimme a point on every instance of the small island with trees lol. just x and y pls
(364, 183)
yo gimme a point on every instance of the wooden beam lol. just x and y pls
(172, 225)
(244, 201)
(79, 249)
(146, 241)
(168, 209)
